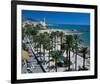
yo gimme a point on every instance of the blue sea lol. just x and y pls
(84, 29)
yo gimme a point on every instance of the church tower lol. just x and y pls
(44, 21)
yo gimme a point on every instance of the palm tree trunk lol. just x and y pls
(69, 61)
(76, 59)
(44, 55)
(49, 59)
(67, 52)
(67, 56)
(52, 44)
(61, 43)
(83, 60)
(56, 65)
(55, 43)
(40, 53)
(34, 44)
(37, 48)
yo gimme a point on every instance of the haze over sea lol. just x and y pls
(84, 29)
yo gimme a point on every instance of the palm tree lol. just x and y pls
(57, 35)
(33, 31)
(28, 29)
(53, 38)
(56, 55)
(69, 44)
(36, 39)
(76, 41)
(23, 33)
(61, 34)
(84, 51)
(45, 40)
(40, 42)
(48, 47)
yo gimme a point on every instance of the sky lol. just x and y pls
(58, 17)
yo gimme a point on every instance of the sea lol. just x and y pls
(84, 29)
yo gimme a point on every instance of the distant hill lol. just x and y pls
(31, 19)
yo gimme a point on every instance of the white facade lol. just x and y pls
(34, 23)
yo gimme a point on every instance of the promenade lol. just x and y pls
(35, 64)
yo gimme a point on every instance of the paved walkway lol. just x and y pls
(32, 66)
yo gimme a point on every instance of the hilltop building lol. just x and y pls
(34, 23)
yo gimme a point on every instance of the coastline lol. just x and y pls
(66, 32)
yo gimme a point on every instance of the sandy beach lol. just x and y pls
(66, 32)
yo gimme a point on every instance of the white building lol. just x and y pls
(34, 23)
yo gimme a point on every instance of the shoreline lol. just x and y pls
(67, 32)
